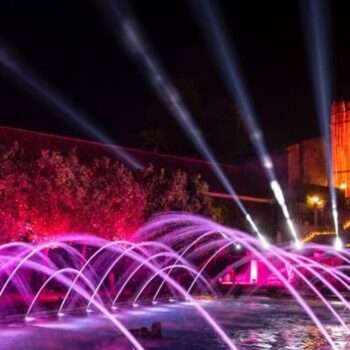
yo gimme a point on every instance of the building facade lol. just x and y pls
(340, 136)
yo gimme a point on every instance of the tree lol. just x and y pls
(115, 202)
(15, 185)
(177, 191)
(55, 193)
(50, 193)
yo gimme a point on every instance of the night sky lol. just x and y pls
(69, 44)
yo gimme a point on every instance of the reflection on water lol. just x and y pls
(254, 324)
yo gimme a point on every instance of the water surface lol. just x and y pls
(253, 322)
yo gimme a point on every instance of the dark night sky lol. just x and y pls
(69, 44)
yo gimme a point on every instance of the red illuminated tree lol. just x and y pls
(55, 193)
(50, 193)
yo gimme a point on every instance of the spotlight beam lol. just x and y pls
(161, 83)
(39, 88)
(316, 34)
(211, 22)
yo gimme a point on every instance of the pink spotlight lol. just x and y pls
(254, 271)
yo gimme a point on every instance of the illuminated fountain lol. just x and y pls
(178, 261)
(171, 259)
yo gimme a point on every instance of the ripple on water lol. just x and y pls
(253, 323)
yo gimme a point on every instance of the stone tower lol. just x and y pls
(340, 139)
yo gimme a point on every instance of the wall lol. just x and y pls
(306, 164)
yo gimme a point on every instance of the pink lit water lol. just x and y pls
(254, 322)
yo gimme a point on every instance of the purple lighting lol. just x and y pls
(179, 265)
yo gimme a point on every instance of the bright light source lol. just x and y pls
(60, 314)
(335, 219)
(29, 319)
(298, 245)
(314, 199)
(264, 242)
(252, 223)
(293, 231)
(343, 186)
(135, 305)
(267, 162)
(338, 244)
(154, 302)
(238, 246)
(276, 188)
(285, 211)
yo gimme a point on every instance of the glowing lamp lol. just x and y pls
(346, 225)
(314, 199)
(343, 186)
